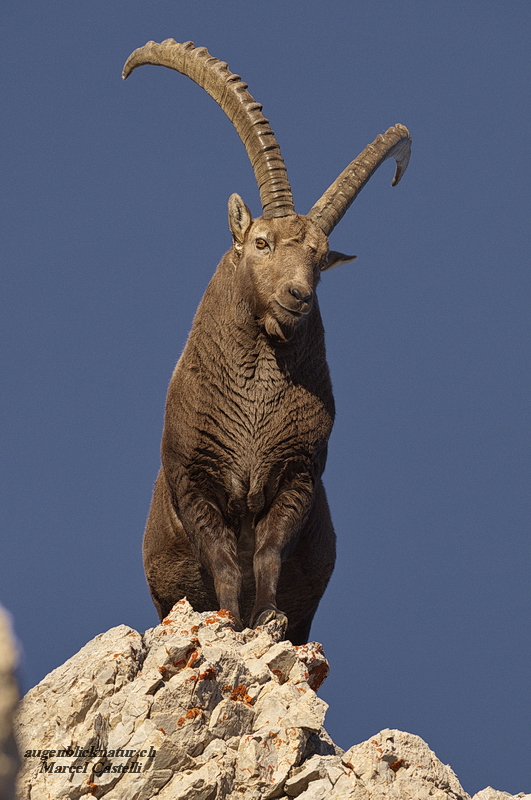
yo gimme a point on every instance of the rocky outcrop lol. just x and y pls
(193, 710)
(9, 760)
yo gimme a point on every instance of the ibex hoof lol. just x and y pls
(272, 615)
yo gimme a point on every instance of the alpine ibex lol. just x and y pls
(239, 518)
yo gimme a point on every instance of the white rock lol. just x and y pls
(315, 768)
(193, 710)
(257, 646)
(231, 718)
(348, 787)
(402, 765)
(266, 757)
(199, 784)
(270, 711)
(492, 794)
(259, 672)
(280, 659)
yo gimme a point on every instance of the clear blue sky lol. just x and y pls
(114, 209)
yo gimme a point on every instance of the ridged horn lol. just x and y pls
(231, 94)
(395, 142)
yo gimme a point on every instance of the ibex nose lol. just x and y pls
(298, 294)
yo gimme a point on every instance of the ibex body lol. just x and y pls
(239, 518)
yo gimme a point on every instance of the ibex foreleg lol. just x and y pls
(276, 536)
(216, 549)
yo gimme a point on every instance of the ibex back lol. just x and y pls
(239, 518)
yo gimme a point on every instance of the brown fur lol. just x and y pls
(239, 518)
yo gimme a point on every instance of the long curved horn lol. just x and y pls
(395, 142)
(232, 96)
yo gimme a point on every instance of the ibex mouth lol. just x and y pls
(281, 321)
(301, 311)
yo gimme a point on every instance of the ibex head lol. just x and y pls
(277, 265)
(279, 256)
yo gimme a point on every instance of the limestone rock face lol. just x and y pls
(492, 794)
(193, 710)
(9, 760)
(397, 764)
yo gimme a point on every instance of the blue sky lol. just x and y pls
(115, 218)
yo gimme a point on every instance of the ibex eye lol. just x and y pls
(261, 244)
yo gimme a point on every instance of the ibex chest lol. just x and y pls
(259, 410)
(240, 426)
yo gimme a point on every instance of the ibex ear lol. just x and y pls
(239, 218)
(335, 259)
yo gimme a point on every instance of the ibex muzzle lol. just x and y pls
(239, 517)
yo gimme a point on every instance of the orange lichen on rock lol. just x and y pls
(208, 675)
(316, 675)
(395, 766)
(239, 694)
(192, 713)
(219, 616)
(314, 659)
